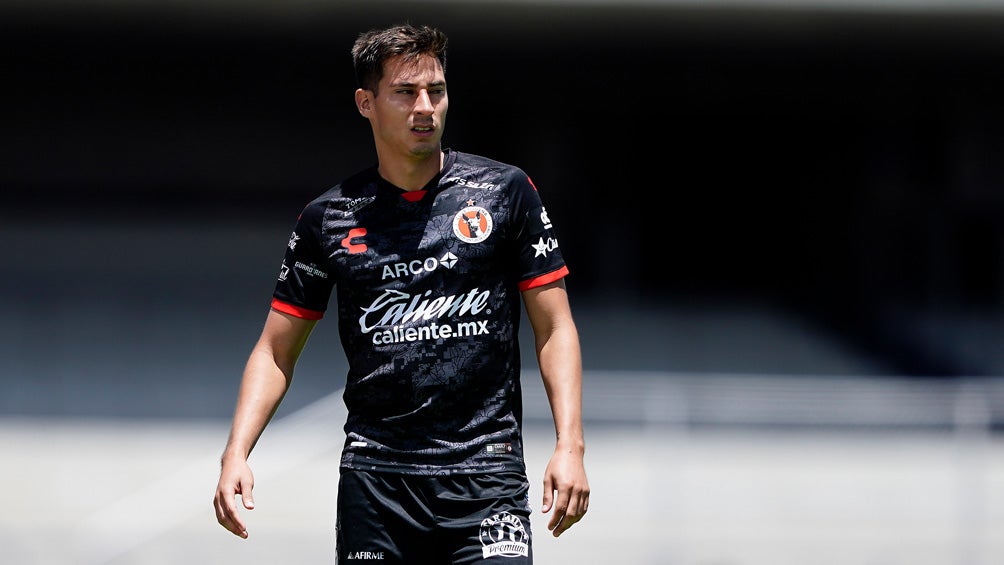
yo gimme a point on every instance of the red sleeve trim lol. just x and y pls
(297, 311)
(543, 279)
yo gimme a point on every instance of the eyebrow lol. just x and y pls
(414, 84)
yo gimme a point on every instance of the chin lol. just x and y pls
(425, 150)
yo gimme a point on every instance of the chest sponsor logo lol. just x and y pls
(473, 224)
(418, 266)
(399, 317)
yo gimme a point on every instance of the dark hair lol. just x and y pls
(374, 47)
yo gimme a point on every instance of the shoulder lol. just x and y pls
(472, 160)
(359, 185)
(491, 172)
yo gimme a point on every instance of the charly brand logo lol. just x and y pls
(283, 271)
(293, 238)
(473, 224)
(352, 246)
(416, 266)
(504, 535)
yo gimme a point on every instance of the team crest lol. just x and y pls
(472, 224)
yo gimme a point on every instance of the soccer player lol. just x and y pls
(430, 253)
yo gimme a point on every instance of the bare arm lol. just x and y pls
(266, 379)
(566, 488)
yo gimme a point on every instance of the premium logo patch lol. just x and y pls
(504, 534)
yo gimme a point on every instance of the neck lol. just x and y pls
(412, 174)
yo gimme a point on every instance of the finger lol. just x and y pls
(560, 509)
(226, 511)
(568, 515)
(548, 495)
(577, 505)
(226, 515)
(248, 499)
(567, 521)
(558, 524)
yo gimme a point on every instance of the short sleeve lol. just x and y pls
(539, 259)
(304, 286)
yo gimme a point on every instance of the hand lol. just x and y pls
(235, 478)
(565, 485)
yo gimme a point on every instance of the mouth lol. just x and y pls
(423, 132)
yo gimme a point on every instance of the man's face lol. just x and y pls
(408, 111)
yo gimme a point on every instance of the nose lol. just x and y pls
(424, 103)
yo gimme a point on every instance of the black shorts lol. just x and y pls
(385, 518)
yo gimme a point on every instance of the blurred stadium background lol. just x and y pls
(785, 225)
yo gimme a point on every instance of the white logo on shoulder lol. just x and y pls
(504, 534)
(543, 247)
(473, 224)
(544, 219)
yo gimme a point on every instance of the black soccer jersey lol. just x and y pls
(428, 296)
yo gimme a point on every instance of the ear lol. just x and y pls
(364, 101)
